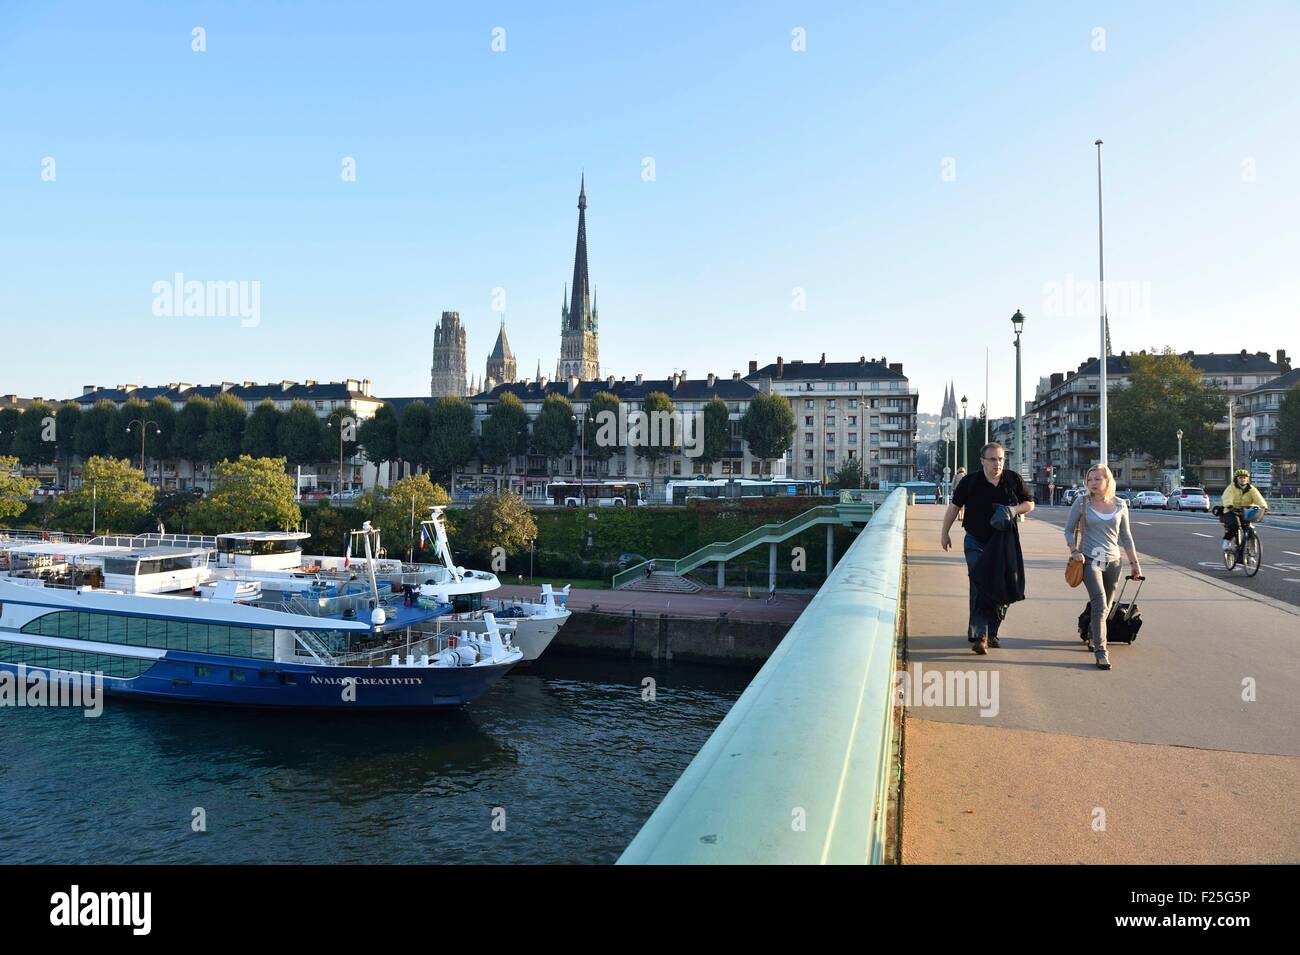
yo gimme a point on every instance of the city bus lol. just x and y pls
(679, 492)
(596, 493)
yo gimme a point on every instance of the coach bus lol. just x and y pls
(679, 492)
(596, 493)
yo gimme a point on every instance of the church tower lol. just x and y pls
(579, 317)
(447, 376)
(501, 363)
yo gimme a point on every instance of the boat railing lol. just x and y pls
(416, 644)
(186, 541)
(51, 537)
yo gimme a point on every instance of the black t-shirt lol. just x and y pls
(979, 497)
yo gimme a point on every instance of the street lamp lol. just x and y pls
(531, 542)
(965, 440)
(144, 429)
(581, 419)
(1180, 457)
(1018, 323)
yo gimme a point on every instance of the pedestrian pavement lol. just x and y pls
(784, 609)
(1162, 759)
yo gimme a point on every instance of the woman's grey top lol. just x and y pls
(1109, 532)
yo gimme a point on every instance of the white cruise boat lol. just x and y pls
(352, 651)
(274, 570)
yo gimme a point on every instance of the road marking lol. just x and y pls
(1291, 552)
(1199, 534)
(1148, 524)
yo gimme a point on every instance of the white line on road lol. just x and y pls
(1199, 534)
(1291, 552)
(1144, 523)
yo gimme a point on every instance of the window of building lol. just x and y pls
(754, 467)
(677, 467)
(808, 403)
(830, 454)
(808, 437)
(807, 472)
(853, 402)
(830, 403)
(853, 437)
(853, 455)
(830, 438)
(853, 420)
(808, 421)
(830, 421)
(808, 455)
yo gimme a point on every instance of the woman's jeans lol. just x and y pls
(1100, 581)
(981, 624)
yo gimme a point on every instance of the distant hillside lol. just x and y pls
(927, 428)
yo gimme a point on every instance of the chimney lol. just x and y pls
(247, 384)
(677, 380)
(735, 376)
(823, 360)
(896, 366)
(683, 374)
(1283, 362)
(1056, 379)
(286, 384)
(227, 385)
(353, 384)
(780, 366)
(89, 389)
(1243, 354)
(862, 361)
(1069, 375)
(365, 387)
(609, 382)
(712, 378)
(572, 384)
(753, 366)
(638, 379)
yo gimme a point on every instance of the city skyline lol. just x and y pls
(743, 176)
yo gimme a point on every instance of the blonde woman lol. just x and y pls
(1106, 531)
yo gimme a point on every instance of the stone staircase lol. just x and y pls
(664, 583)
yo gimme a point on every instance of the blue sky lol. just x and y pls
(825, 170)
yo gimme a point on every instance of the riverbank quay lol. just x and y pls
(722, 628)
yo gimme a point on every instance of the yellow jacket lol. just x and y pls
(1234, 496)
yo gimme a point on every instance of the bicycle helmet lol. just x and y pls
(1240, 472)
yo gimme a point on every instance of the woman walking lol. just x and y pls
(1105, 531)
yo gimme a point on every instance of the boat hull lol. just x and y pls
(234, 681)
(532, 635)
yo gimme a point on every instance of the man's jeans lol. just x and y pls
(980, 623)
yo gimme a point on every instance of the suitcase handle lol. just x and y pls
(1119, 599)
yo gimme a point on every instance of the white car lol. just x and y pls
(1189, 499)
(1150, 499)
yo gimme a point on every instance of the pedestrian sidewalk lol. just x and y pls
(1159, 760)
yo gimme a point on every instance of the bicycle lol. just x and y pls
(1247, 551)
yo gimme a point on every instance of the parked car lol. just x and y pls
(1125, 496)
(1189, 499)
(314, 494)
(1070, 494)
(1146, 499)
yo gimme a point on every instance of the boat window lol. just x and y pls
(156, 633)
(73, 660)
(120, 565)
(239, 676)
(466, 603)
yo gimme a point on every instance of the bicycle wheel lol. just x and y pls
(1253, 556)
(1230, 558)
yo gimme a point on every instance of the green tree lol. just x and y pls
(1288, 425)
(849, 475)
(171, 509)
(191, 426)
(66, 420)
(658, 431)
(15, 491)
(768, 426)
(260, 431)
(225, 434)
(116, 493)
(505, 432)
(554, 430)
(498, 520)
(9, 418)
(413, 432)
(300, 435)
(159, 443)
(35, 441)
(450, 441)
(716, 438)
(400, 508)
(93, 429)
(250, 494)
(378, 436)
(602, 434)
(1165, 393)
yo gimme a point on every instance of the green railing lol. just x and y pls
(763, 534)
(800, 770)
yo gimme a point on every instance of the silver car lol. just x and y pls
(1150, 499)
(1189, 499)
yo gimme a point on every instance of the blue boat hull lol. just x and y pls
(237, 681)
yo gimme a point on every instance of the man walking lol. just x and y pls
(983, 494)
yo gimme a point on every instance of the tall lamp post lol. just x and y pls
(581, 420)
(1018, 323)
(339, 424)
(965, 438)
(1180, 457)
(144, 429)
(1103, 350)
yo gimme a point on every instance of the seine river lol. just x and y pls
(560, 763)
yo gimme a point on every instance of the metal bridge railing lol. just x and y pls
(800, 770)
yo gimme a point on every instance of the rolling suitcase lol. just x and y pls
(1124, 620)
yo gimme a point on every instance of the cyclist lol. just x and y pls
(1240, 497)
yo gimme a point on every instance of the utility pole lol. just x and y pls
(1102, 351)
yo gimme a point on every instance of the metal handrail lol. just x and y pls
(801, 769)
(764, 533)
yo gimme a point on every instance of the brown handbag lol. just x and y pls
(1074, 568)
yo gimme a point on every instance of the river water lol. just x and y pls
(560, 763)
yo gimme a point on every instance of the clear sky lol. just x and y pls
(920, 170)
